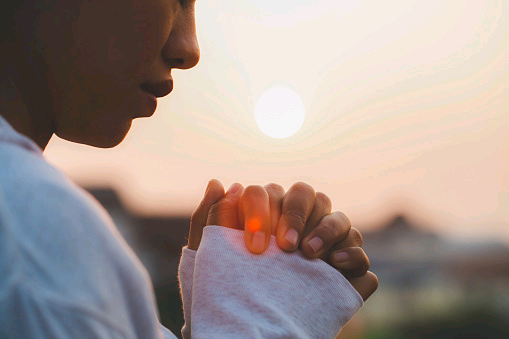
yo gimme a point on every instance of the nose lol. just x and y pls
(182, 49)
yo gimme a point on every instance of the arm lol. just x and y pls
(275, 295)
(232, 209)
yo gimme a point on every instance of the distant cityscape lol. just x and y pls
(421, 275)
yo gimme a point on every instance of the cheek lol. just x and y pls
(101, 121)
(119, 40)
(137, 44)
(103, 49)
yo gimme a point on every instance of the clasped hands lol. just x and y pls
(300, 218)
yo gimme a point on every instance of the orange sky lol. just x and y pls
(407, 107)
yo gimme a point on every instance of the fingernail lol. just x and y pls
(315, 243)
(234, 188)
(292, 236)
(341, 256)
(258, 241)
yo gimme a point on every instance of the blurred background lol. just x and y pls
(406, 112)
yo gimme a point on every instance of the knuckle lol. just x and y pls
(254, 189)
(224, 205)
(217, 213)
(356, 236)
(373, 280)
(324, 200)
(297, 216)
(329, 229)
(214, 209)
(343, 219)
(365, 264)
(303, 187)
(275, 188)
(339, 222)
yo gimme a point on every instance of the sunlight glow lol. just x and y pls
(254, 225)
(279, 112)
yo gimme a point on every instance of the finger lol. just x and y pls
(353, 239)
(213, 193)
(352, 261)
(365, 285)
(332, 229)
(225, 211)
(276, 194)
(254, 210)
(322, 208)
(297, 206)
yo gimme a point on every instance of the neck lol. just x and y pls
(19, 108)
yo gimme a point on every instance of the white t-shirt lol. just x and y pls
(66, 272)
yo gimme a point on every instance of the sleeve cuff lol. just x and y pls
(275, 290)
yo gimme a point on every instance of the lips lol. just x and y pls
(159, 89)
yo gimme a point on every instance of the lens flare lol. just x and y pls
(254, 225)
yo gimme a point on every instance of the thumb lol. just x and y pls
(254, 211)
(214, 192)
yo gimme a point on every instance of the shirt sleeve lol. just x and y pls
(228, 292)
(185, 274)
(25, 313)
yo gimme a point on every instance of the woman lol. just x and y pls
(83, 70)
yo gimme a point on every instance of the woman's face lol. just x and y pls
(101, 57)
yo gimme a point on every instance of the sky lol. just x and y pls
(406, 110)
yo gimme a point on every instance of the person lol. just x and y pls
(83, 70)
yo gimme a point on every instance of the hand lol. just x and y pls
(262, 211)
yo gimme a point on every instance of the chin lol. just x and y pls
(103, 137)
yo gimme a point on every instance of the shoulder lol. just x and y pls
(59, 243)
(38, 194)
(29, 183)
(58, 234)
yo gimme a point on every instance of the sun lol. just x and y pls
(279, 112)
